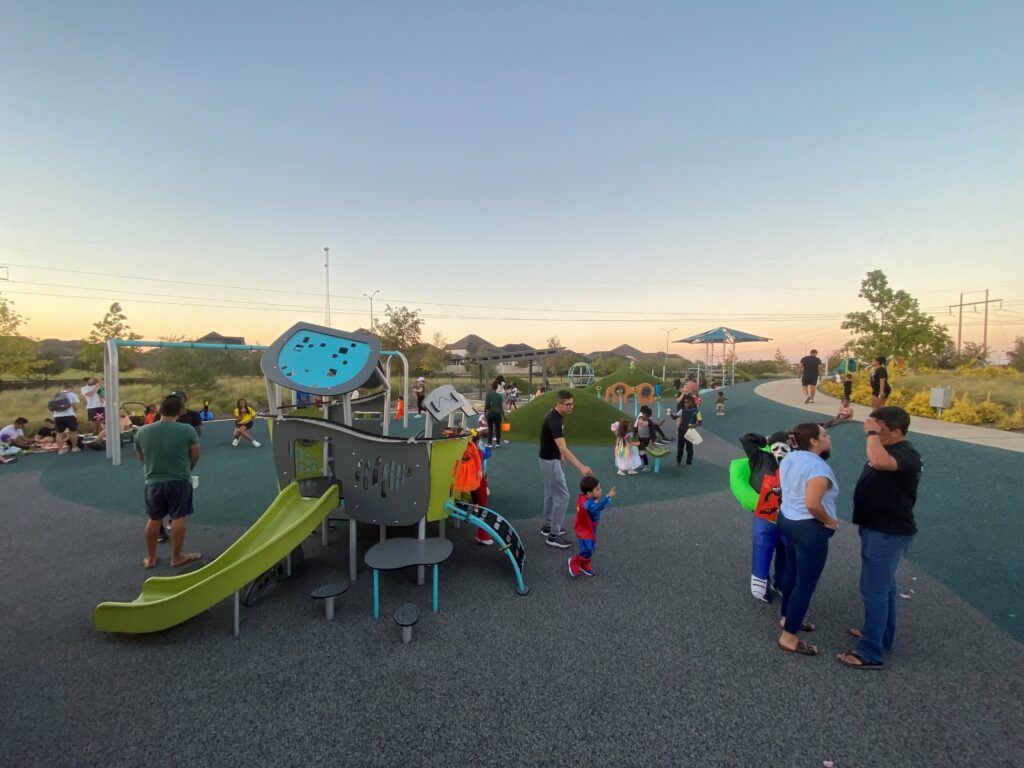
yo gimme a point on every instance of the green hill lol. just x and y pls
(588, 424)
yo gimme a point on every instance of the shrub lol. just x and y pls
(1012, 420)
(963, 410)
(918, 405)
(990, 412)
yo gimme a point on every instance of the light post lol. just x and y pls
(327, 287)
(370, 297)
(668, 331)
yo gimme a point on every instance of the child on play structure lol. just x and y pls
(589, 506)
(627, 450)
(471, 479)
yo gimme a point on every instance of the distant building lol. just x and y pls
(215, 338)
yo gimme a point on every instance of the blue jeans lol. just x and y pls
(806, 543)
(880, 555)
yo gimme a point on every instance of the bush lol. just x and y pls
(1013, 419)
(963, 410)
(918, 405)
(990, 412)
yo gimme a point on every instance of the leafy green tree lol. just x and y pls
(10, 321)
(782, 364)
(1016, 355)
(436, 358)
(401, 330)
(19, 356)
(894, 325)
(114, 325)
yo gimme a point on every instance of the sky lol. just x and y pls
(603, 172)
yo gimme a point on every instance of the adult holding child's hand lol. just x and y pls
(553, 455)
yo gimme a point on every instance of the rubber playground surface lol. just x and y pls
(662, 659)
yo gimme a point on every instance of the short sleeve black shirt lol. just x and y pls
(193, 419)
(884, 501)
(876, 380)
(551, 428)
(811, 365)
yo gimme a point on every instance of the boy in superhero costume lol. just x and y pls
(589, 506)
(755, 484)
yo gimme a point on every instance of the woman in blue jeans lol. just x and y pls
(807, 520)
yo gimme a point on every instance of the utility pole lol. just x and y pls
(370, 297)
(327, 289)
(960, 321)
(664, 366)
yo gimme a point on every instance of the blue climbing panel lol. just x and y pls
(312, 358)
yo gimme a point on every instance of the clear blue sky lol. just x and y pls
(674, 164)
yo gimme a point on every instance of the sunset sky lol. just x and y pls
(598, 171)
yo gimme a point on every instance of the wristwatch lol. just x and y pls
(871, 432)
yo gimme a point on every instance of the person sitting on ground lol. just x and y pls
(46, 436)
(205, 414)
(14, 434)
(245, 417)
(844, 415)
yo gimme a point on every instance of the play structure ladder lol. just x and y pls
(500, 530)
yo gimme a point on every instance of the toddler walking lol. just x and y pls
(720, 404)
(589, 506)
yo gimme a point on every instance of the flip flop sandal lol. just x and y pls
(805, 626)
(854, 632)
(864, 663)
(802, 648)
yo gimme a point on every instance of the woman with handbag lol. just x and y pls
(686, 420)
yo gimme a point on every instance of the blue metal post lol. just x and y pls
(435, 587)
(376, 596)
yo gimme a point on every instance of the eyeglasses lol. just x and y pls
(568, 405)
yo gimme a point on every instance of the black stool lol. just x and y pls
(405, 617)
(327, 593)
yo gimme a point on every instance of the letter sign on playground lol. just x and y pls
(311, 358)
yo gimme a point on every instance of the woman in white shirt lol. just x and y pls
(807, 520)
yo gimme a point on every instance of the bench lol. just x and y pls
(395, 554)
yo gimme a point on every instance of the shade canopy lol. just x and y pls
(721, 335)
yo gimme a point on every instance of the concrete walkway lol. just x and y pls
(788, 392)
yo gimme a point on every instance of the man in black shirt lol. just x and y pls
(883, 508)
(553, 453)
(192, 418)
(810, 369)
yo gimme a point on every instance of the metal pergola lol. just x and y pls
(728, 338)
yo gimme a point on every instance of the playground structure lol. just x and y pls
(580, 375)
(324, 464)
(720, 368)
(619, 394)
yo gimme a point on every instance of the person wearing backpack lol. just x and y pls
(62, 407)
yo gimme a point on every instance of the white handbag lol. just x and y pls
(692, 436)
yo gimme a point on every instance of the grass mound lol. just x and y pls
(588, 424)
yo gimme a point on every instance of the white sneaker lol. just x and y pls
(631, 472)
(234, 443)
(255, 444)
(620, 472)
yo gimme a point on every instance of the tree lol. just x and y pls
(554, 342)
(114, 325)
(10, 321)
(1016, 355)
(894, 325)
(436, 358)
(401, 330)
(782, 364)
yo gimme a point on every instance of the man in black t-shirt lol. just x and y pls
(553, 454)
(810, 370)
(883, 508)
(192, 418)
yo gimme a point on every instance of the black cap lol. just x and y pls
(178, 393)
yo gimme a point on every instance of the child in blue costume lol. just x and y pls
(763, 456)
(589, 506)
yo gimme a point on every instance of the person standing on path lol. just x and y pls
(880, 389)
(494, 407)
(94, 401)
(810, 371)
(169, 451)
(65, 420)
(883, 508)
(420, 390)
(553, 454)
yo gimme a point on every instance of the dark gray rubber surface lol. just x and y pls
(662, 659)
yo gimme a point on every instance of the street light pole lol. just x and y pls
(370, 297)
(668, 331)
(327, 288)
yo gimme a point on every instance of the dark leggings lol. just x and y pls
(644, 442)
(682, 444)
(419, 403)
(494, 427)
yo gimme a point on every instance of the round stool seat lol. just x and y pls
(328, 590)
(407, 615)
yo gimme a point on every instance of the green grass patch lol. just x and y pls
(588, 424)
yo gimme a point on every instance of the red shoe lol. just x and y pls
(585, 568)
(574, 567)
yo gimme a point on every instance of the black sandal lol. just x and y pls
(864, 663)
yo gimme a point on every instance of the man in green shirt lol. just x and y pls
(169, 451)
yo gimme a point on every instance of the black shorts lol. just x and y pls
(809, 380)
(64, 423)
(171, 499)
(94, 413)
(247, 425)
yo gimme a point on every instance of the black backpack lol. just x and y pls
(59, 402)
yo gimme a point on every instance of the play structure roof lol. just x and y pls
(721, 335)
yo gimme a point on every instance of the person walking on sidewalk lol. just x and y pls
(883, 508)
(553, 455)
(810, 370)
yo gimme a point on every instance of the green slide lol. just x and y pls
(167, 601)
